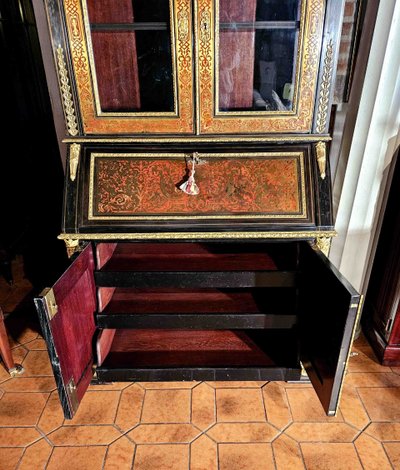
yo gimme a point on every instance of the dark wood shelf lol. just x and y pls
(197, 355)
(265, 25)
(201, 308)
(139, 26)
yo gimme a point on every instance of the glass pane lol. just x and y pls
(257, 54)
(132, 55)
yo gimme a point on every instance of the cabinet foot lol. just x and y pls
(16, 370)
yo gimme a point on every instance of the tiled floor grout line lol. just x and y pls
(387, 377)
(387, 456)
(358, 455)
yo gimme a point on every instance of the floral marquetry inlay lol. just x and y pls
(229, 187)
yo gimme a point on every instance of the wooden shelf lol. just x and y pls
(193, 257)
(199, 355)
(201, 308)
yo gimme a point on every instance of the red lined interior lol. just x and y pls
(199, 301)
(115, 56)
(179, 348)
(189, 257)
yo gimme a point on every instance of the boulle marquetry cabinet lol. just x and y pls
(197, 207)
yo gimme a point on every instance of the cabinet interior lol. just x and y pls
(205, 306)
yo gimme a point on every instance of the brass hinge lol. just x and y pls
(50, 300)
(303, 370)
(72, 395)
(388, 325)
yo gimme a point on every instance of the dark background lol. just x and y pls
(31, 174)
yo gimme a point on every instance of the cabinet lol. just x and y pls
(197, 181)
(382, 313)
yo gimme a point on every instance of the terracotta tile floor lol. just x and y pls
(197, 426)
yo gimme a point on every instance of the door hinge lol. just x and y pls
(72, 395)
(388, 325)
(50, 300)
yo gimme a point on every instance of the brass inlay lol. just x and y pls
(195, 235)
(324, 244)
(51, 304)
(69, 109)
(261, 139)
(96, 122)
(324, 91)
(74, 153)
(295, 155)
(183, 25)
(72, 245)
(346, 365)
(72, 395)
(205, 26)
(320, 148)
(303, 371)
(235, 123)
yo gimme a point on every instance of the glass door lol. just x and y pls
(257, 64)
(132, 65)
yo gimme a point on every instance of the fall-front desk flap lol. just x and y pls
(130, 189)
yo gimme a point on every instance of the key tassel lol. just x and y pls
(190, 187)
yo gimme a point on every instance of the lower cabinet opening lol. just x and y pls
(197, 311)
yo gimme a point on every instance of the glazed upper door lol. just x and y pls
(257, 64)
(132, 62)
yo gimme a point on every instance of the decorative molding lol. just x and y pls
(325, 87)
(323, 244)
(70, 237)
(320, 148)
(65, 87)
(72, 244)
(74, 154)
(260, 139)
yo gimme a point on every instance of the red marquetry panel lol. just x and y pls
(134, 186)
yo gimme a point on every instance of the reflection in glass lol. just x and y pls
(257, 54)
(132, 54)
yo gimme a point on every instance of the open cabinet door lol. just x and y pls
(66, 313)
(328, 307)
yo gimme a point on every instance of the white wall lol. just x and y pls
(370, 137)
